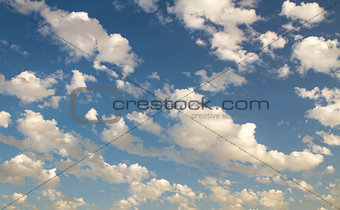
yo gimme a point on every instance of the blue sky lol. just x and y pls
(175, 160)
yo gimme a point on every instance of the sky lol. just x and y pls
(284, 156)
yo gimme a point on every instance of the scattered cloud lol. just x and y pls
(28, 87)
(324, 59)
(5, 119)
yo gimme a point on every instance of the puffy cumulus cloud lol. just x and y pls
(91, 114)
(303, 12)
(79, 79)
(330, 169)
(318, 54)
(218, 82)
(329, 138)
(5, 119)
(147, 5)
(61, 201)
(221, 20)
(190, 135)
(44, 136)
(200, 42)
(132, 89)
(283, 72)
(316, 148)
(221, 193)
(84, 33)
(95, 167)
(148, 125)
(19, 198)
(21, 166)
(27, 86)
(140, 192)
(270, 41)
(273, 199)
(327, 105)
(184, 197)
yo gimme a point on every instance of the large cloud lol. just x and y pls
(303, 12)
(318, 54)
(21, 166)
(85, 33)
(327, 105)
(28, 87)
(221, 20)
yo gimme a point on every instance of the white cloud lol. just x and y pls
(303, 12)
(221, 20)
(249, 3)
(61, 202)
(283, 72)
(330, 169)
(53, 102)
(85, 33)
(147, 6)
(200, 42)
(141, 192)
(79, 79)
(148, 125)
(21, 166)
(91, 114)
(272, 41)
(318, 54)
(191, 136)
(131, 88)
(27, 86)
(329, 138)
(327, 105)
(221, 193)
(5, 119)
(154, 75)
(220, 82)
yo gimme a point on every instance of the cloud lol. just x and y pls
(27, 86)
(141, 192)
(200, 42)
(272, 41)
(91, 114)
(5, 119)
(327, 105)
(221, 20)
(220, 82)
(330, 169)
(79, 79)
(132, 88)
(283, 72)
(303, 12)
(329, 138)
(147, 6)
(222, 194)
(318, 54)
(61, 202)
(21, 166)
(149, 125)
(85, 33)
(154, 75)
(191, 136)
